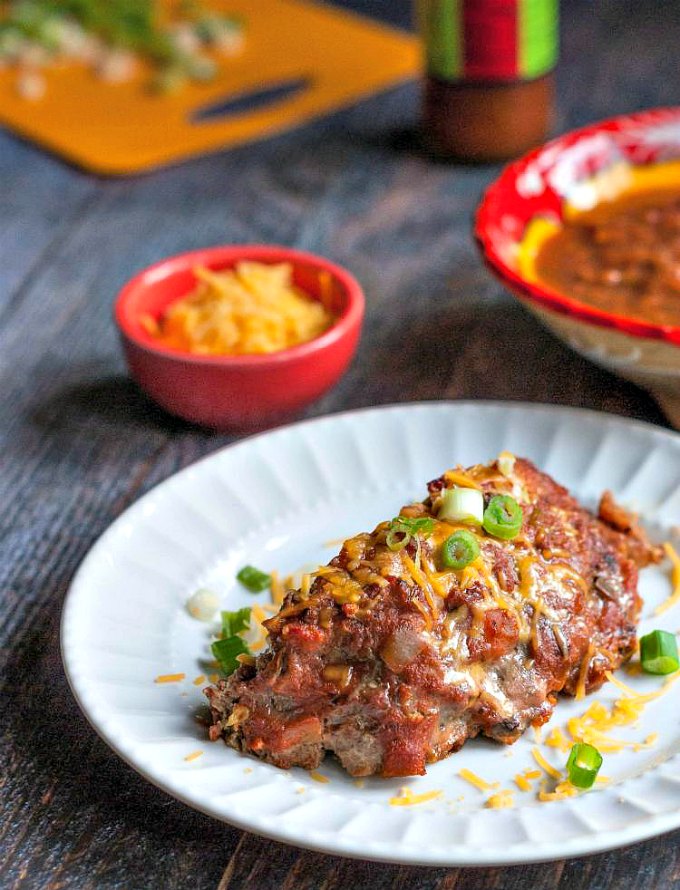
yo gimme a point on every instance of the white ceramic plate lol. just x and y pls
(273, 500)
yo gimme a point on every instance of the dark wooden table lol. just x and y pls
(79, 442)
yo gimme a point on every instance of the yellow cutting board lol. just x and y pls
(323, 57)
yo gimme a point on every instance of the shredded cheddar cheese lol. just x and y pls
(199, 680)
(253, 308)
(421, 581)
(562, 790)
(469, 575)
(455, 477)
(277, 589)
(259, 632)
(406, 798)
(319, 777)
(169, 678)
(431, 576)
(501, 800)
(477, 781)
(193, 756)
(557, 739)
(545, 766)
(524, 780)
(674, 598)
(595, 724)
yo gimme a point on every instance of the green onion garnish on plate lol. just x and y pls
(255, 580)
(659, 653)
(234, 622)
(225, 652)
(503, 517)
(460, 549)
(583, 765)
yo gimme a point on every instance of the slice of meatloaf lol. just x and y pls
(392, 660)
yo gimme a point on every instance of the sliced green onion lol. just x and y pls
(254, 579)
(659, 653)
(503, 517)
(234, 622)
(225, 652)
(460, 549)
(398, 538)
(462, 505)
(583, 765)
(423, 524)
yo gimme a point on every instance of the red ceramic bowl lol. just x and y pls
(571, 173)
(237, 392)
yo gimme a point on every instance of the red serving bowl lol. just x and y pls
(571, 173)
(238, 392)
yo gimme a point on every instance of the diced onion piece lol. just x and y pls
(462, 505)
(203, 605)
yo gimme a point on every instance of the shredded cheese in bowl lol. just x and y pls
(251, 309)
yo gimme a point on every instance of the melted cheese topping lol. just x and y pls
(583, 673)
(461, 480)
(423, 583)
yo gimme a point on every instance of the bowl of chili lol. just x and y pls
(585, 232)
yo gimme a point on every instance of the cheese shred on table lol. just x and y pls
(252, 309)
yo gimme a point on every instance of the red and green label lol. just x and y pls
(489, 40)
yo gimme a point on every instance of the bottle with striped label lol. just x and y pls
(489, 86)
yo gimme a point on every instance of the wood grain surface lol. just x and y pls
(80, 443)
